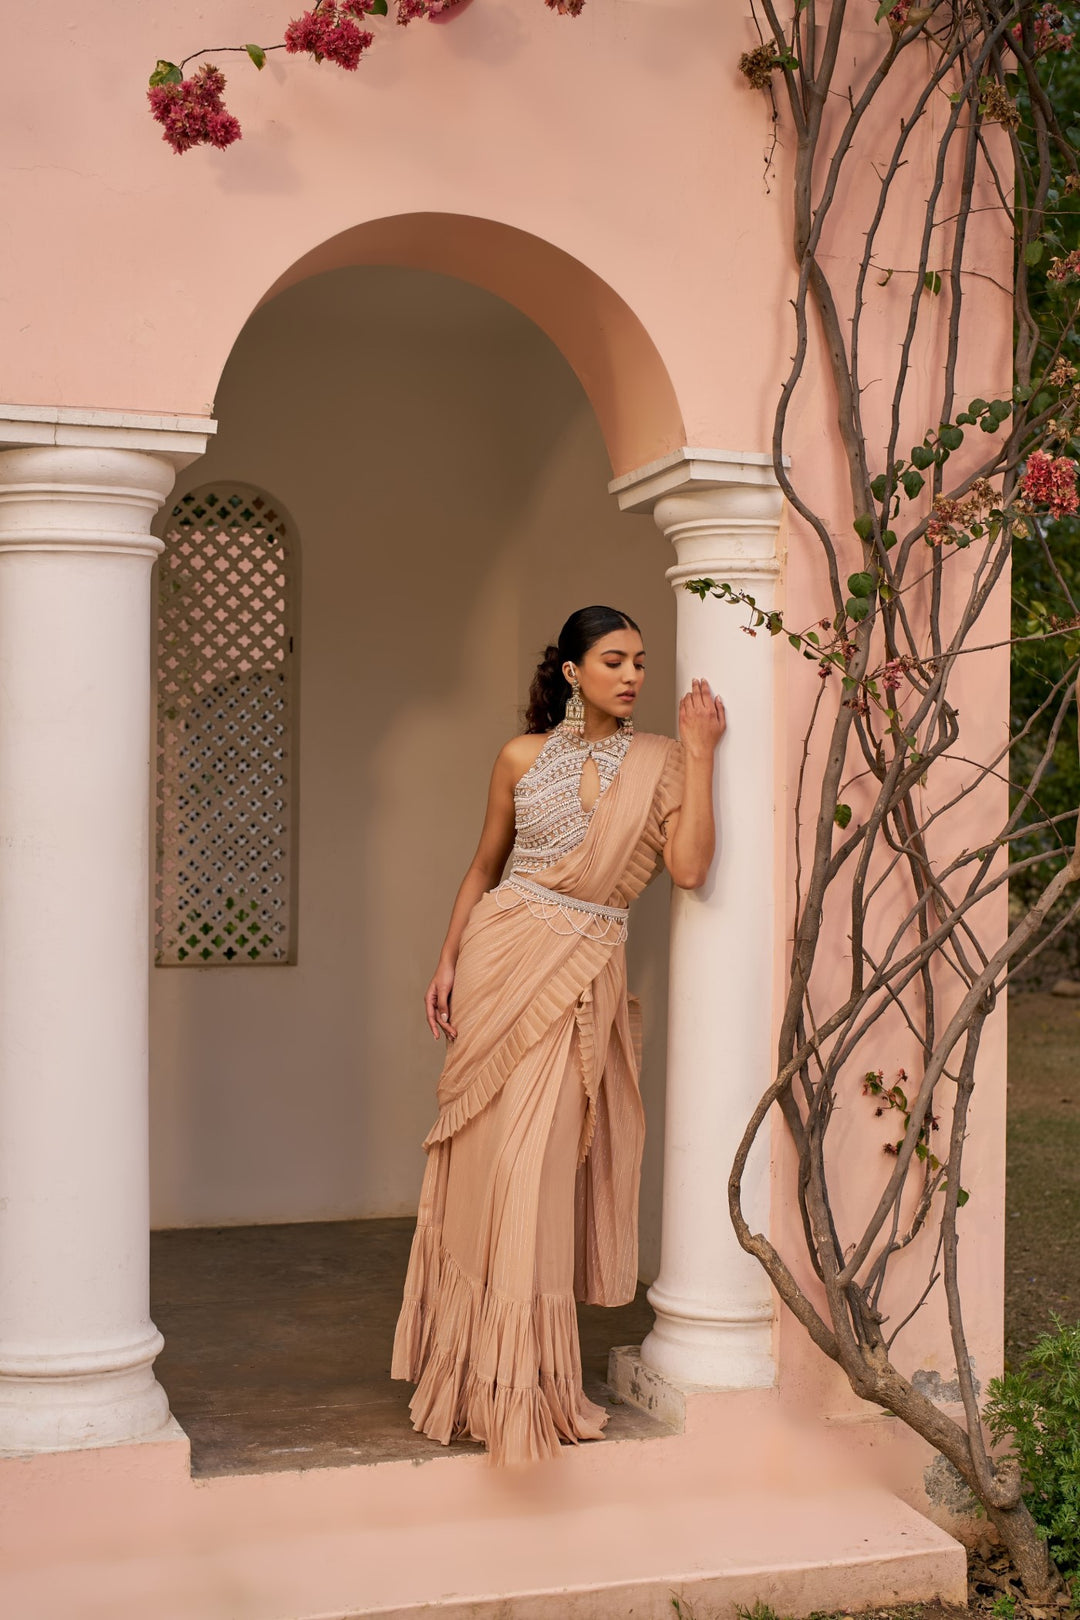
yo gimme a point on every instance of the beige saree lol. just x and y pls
(530, 1192)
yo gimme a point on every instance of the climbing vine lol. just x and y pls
(912, 564)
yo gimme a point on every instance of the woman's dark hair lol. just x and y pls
(550, 688)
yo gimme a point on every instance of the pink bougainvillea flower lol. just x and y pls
(1064, 269)
(1049, 22)
(1051, 481)
(409, 10)
(191, 113)
(566, 8)
(329, 33)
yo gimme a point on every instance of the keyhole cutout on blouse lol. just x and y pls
(589, 785)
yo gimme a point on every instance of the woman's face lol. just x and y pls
(612, 673)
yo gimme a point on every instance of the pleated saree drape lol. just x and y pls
(530, 1193)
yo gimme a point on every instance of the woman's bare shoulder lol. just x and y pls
(519, 753)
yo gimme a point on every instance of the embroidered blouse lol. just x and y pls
(549, 817)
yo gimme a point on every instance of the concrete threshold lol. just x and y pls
(722, 1515)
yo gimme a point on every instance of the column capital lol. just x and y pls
(720, 509)
(89, 481)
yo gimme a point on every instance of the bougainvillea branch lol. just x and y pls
(908, 576)
(190, 108)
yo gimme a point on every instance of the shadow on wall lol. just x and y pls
(447, 480)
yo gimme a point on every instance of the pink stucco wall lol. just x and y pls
(605, 175)
(130, 270)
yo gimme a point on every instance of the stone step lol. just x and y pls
(610, 1532)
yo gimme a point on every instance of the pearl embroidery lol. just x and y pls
(548, 814)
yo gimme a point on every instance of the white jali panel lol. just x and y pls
(225, 717)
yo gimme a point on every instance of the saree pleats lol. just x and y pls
(530, 1191)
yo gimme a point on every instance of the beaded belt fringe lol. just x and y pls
(551, 907)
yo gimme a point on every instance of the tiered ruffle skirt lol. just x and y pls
(488, 1329)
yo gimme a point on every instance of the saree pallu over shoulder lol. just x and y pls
(517, 978)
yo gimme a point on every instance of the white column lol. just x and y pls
(712, 1301)
(78, 491)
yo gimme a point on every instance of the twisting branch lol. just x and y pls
(933, 533)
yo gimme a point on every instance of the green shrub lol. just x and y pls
(1038, 1407)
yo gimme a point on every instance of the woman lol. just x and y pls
(530, 1192)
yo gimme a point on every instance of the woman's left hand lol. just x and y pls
(702, 721)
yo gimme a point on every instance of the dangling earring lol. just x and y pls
(575, 711)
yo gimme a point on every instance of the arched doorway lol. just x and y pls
(446, 477)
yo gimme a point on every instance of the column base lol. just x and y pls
(68, 1413)
(729, 1351)
(631, 1381)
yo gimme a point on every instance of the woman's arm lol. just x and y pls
(691, 838)
(485, 870)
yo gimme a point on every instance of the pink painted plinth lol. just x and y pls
(742, 1506)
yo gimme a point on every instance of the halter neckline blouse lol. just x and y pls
(549, 817)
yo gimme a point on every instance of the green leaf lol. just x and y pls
(1000, 408)
(842, 815)
(863, 526)
(378, 9)
(932, 282)
(1033, 252)
(257, 54)
(1040, 403)
(912, 481)
(165, 73)
(922, 456)
(977, 407)
(878, 486)
(861, 584)
(951, 437)
(856, 608)
(795, 641)
(962, 1196)
(888, 539)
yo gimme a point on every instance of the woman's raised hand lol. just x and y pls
(437, 1003)
(702, 721)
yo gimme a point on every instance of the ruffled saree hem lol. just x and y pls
(473, 1355)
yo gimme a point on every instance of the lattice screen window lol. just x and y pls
(226, 706)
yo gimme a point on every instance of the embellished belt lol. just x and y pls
(551, 907)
